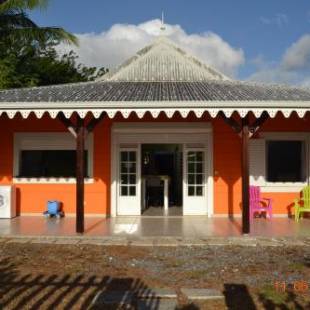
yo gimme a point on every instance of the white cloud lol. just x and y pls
(110, 48)
(275, 75)
(297, 56)
(293, 68)
(306, 82)
(280, 20)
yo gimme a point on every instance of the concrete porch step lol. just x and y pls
(194, 294)
(158, 298)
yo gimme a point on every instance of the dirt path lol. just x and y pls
(69, 276)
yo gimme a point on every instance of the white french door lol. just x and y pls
(195, 200)
(129, 185)
(196, 138)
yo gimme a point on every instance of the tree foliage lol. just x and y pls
(36, 66)
(28, 55)
(16, 26)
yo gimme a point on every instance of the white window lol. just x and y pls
(48, 157)
(280, 161)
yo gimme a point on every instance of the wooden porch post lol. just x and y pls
(80, 174)
(79, 131)
(245, 135)
(245, 130)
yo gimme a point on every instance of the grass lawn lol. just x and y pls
(46, 276)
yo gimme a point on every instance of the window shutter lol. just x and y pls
(48, 141)
(257, 162)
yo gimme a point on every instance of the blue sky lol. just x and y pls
(263, 30)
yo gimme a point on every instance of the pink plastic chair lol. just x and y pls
(258, 203)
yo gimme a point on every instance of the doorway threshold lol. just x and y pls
(159, 211)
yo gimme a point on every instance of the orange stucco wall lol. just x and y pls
(32, 198)
(227, 167)
(283, 202)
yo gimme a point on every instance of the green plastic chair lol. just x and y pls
(303, 204)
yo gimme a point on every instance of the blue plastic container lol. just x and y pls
(53, 207)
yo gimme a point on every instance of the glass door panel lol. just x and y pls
(128, 193)
(195, 202)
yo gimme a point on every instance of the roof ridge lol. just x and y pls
(163, 60)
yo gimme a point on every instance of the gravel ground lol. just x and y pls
(44, 276)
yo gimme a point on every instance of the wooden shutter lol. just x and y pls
(257, 162)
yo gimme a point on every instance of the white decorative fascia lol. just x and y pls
(50, 180)
(169, 108)
(283, 188)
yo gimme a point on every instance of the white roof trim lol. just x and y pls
(65, 105)
(155, 108)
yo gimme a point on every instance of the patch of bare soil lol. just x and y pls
(69, 276)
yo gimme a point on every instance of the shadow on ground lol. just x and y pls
(19, 291)
(68, 291)
(238, 297)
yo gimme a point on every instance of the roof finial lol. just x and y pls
(162, 28)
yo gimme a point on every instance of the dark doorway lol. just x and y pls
(162, 163)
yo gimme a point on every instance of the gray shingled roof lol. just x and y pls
(163, 61)
(156, 91)
(158, 74)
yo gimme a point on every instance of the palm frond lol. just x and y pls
(16, 21)
(16, 25)
(58, 34)
(23, 4)
(39, 34)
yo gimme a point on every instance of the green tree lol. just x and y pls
(27, 52)
(16, 26)
(32, 65)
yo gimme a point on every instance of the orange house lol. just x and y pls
(164, 134)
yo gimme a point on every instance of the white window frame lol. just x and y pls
(285, 136)
(136, 151)
(49, 141)
(204, 174)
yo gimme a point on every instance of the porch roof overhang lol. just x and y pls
(156, 97)
(169, 108)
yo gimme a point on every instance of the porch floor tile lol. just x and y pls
(185, 227)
